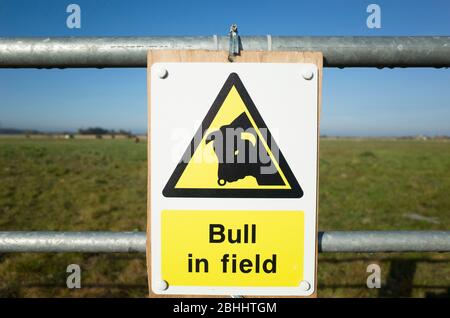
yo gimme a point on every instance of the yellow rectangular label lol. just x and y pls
(232, 248)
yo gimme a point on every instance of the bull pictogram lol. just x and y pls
(241, 153)
(233, 154)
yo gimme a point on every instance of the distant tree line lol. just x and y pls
(87, 131)
(14, 131)
(102, 131)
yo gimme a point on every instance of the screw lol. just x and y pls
(304, 285)
(307, 73)
(162, 73)
(162, 285)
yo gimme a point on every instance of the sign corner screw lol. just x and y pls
(305, 285)
(162, 285)
(307, 74)
(162, 73)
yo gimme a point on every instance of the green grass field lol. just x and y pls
(87, 185)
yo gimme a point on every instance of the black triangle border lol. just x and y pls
(170, 190)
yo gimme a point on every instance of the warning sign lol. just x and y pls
(233, 147)
(233, 153)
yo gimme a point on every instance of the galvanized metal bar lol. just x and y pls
(384, 241)
(126, 242)
(99, 52)
(84, 242)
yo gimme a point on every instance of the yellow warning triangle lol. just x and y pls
(233, 154)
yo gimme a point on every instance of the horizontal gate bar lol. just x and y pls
(338, 51)
(384, 241)
(84, 242)
(127, 242)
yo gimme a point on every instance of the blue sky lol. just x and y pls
(363, 101)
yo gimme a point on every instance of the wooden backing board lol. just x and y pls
(186, 56)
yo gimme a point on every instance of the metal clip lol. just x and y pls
(234, 43)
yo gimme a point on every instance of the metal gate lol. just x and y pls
(101, 52)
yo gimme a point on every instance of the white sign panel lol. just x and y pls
(233, 150)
